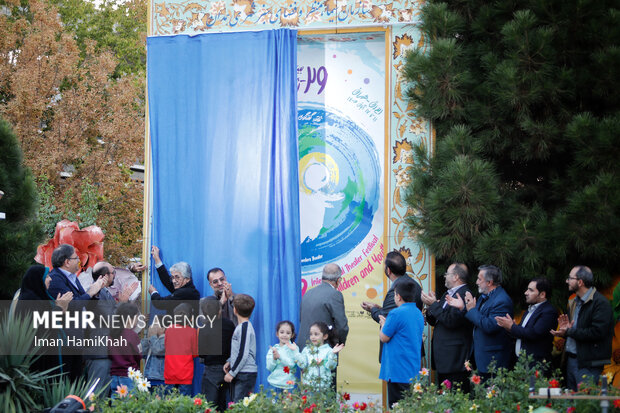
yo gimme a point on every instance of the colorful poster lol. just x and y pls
(341, 121)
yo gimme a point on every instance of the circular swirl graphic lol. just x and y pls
(339, 181)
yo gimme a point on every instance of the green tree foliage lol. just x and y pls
(20, 232)
(524, 99)
(116, 25)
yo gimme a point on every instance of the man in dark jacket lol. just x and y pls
(533, 333)
(178, 282)
(452, 333)
(396, 271)
(588, 328)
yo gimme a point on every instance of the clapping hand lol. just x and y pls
(563, 325)
(127, 292)
(456, 302)
(292, 346)
(62, 301)
(428, 298)
(337, 348)
(274, 351)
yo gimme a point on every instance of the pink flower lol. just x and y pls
(467, 365)
(122, 391)
(446, 383)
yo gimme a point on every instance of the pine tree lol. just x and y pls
(20, 232)
(524, 100)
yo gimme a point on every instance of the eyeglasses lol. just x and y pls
(73, 258)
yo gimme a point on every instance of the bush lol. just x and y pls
(506, 391)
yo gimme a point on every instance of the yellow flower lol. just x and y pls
(610, 377)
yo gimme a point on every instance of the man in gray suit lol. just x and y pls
(324, 303)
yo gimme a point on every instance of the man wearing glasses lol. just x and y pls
(66, 264)
(178, 282)
(222, 291)
(588, 328)
(452, 333)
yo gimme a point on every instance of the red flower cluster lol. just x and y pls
(304, 399)
(617, 404)
(287, 370)
(358, 406)
(554, 384)
(310, 409)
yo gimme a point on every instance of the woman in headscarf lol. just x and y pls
(33, 295)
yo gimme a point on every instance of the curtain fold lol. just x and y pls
(223, 127)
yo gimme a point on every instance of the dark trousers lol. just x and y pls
(242, 385)
(395, 392)
(459, 378)
(214, 387)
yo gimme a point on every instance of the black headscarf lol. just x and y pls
(33, 284)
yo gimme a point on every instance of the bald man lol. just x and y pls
(324, 303)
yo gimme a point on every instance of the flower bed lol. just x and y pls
(507, 391)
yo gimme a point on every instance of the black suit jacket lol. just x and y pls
(535, 336)
(389, 305)
(452, 335)
(186, 294)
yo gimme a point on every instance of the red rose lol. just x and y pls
(617, 404)
(287, 370)
(536, 374)
(554, 384)
(363, 406)
(346, 396)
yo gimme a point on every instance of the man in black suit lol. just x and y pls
(395, 269)
(452, 333)
(179, 282)
(533, 333)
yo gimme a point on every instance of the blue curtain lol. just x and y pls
(223, 128)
